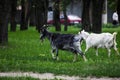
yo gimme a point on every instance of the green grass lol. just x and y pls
(25, 52)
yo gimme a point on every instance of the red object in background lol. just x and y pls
(72, 19)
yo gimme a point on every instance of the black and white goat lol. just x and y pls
(67, 42)
(103, 40)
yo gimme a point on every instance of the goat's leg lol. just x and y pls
(96, 51)
(78, 49)
(84, 58)
(87, 47)
(115, 48)
(80, 45)
(57, 58)
(75, 57)
(109, 52)
(81, 53)
(52, 53)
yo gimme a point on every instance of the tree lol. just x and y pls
(4, 17)
(112, 4)
(23, 16)
(13, 14)
(64, 4)
(56, 15)
(28, 12)
(86, 25)
(97, 9)
(92, 21)
(46, 3)
(41, 7)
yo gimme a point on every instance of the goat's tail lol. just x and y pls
(114, 37)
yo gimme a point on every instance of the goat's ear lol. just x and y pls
(82, 30)
(44, 27)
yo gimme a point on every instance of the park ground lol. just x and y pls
(26, 53)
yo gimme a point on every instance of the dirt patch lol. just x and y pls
(50, 76)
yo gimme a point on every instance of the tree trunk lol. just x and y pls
(4, 17)
(66, 20)
(86, 15)
(41, 13)
(23, 25)
(28, 11)
(118, 10)
(56, 15)
(13, 14)
(39, 19)
(97, 9)
(46, 3)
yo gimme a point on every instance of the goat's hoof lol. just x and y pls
(53, 57)
(85, 60)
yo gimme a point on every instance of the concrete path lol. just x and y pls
(50, 76)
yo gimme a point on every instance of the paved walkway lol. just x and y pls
(49, 76)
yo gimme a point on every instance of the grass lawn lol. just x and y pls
(25, 52)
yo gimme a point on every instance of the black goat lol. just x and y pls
(67, 42)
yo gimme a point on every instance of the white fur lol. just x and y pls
(103, 40)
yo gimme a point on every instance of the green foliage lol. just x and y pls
(112, 4)
(110, 25)
(25, 52)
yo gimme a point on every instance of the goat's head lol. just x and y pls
(84, 34)
(43, 32)
(81, 31)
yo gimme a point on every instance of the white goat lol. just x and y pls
(103, 40)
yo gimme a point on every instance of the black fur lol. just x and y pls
(62, 41)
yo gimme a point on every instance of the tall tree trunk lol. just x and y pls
(97, 9)
(13, 14)
(28, 12)
(72, 6)
(39, 19)
(32, 17)
(56, 15)
(46, 3)
(86, 15)
(118, 10)
(66, 20)
(41, 13)
(23, 25)
(4, 17)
